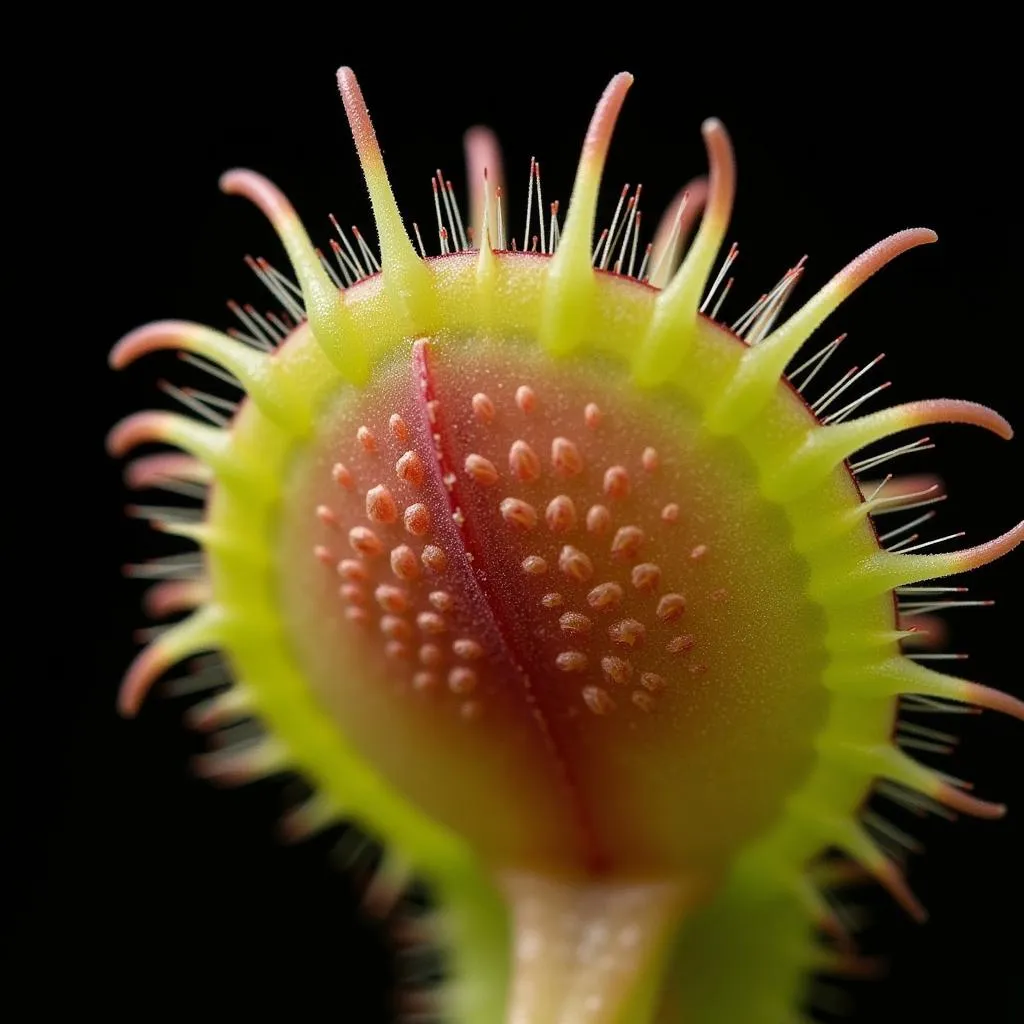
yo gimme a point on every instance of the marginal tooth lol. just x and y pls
(172, 596)
(230, 706)
(885, 570)
(253, 369)
(570, 278)
(671, 331)
(329, 320)
(825, 448)
(406, 278)
(762, 366)
(308, 818)
(201, 631)
(243, 763)
(209, 444)
(902, 677)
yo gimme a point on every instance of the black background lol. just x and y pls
(145, 890)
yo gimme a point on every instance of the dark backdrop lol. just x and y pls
(145, 890)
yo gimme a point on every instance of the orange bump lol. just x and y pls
(605, 595)
(399, 431)
(645, 576)
(670, 607)
(434, 558)
(395, 628)
(518, 513)
(523, 462)
(380, 505)
(571, 661)
(417, 519)
(653, 682)
(468, 649)
(617, 669)
(341, 476)
(365, 436)
(481, 470)
(391, 599)
(365, 542)
(552, 600)
(431, 622)
(650, 460)
(534, 565)
(616, 482)
(627, 633)
(462, 680)
(350, 569)
(643, 700)
(526, 399)
(431, 655)
(679, 644)
(483, 408)
(599, 519)
(670, 513)
(598, 700)
(592, 416)
(560, 514)
(627, 542)
(575, 564)
(403, 562)
(575, 624)
(565, 457)
(424, 682)
(410, 469)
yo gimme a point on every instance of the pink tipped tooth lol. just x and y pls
(396, 249)
(893, 881)
(325, 309)
(574, 248)
(670, 334)
(783, 343)
(154, 470)
(900, 569)
(674, 230)
(827, 446)
(483, 160)
(199, 440)
(992, 700)
(683, 294)
(198, 633)
(245, 363)
(957, 800)
(173, 596)
(763, 365)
